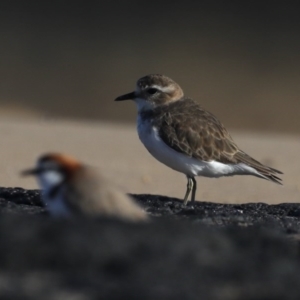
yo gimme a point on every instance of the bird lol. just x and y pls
(71, 188)
(181, 134)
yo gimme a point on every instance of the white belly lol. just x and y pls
(183, 163)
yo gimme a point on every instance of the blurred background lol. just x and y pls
(70, 59)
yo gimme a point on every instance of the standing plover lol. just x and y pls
(71, 188)
(178, 132)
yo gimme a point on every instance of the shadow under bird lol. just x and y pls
(71, 188)
(181, 134)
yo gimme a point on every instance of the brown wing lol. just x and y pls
(196, 133)
(92, 195)
(189, 129)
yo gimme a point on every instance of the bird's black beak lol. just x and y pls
(129, 96)
(30, 172)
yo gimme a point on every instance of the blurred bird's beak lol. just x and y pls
(30, 172)
(129, 96)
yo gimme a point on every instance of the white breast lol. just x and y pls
(56, 206)
(182, 163)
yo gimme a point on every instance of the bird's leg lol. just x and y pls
(194, 189)
(189, 187)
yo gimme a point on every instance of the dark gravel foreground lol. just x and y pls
(209, 251)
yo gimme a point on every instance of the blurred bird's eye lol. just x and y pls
(152, 91)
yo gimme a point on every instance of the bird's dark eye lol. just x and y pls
(152, 91)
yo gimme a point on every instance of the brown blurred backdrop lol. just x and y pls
(70, 59)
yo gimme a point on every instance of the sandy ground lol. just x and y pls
(117, 152)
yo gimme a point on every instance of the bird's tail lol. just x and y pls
(262, 170)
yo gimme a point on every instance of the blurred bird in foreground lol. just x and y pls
(71, 188)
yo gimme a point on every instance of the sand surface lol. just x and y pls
(117, 152)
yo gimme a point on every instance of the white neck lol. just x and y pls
(49, 179)
(143, 105)
(56, 204)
